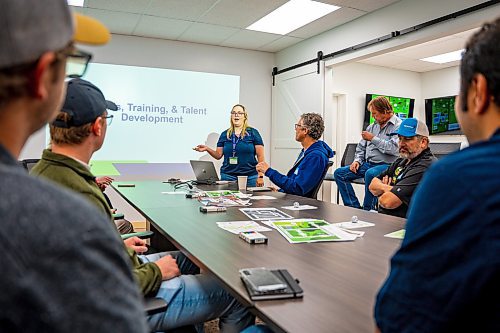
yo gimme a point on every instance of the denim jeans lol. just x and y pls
(251, 181)
(368, 171)
(194, 298)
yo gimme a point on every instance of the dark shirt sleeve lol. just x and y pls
(310, 172)
(222, 139)
(257, 139)
(405, 187)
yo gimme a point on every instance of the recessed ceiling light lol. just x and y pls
(76, 3)
(445, 57)
(291, 16)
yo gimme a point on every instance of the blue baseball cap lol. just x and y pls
(84, 103)
(411, 127)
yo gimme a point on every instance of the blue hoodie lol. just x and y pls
(306, 173)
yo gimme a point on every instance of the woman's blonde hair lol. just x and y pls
(230, 130)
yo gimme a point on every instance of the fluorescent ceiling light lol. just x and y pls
(445, 57)
(291, 16)
(76, 3)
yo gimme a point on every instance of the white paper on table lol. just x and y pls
(301, 207)
(176, 192)
(343, 235)
(236, 227)
(262, 197)
(354, 225)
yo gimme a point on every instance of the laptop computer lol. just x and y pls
(204, 171)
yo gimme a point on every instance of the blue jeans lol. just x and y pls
(194, 298)
(368, 171)
(251, 181)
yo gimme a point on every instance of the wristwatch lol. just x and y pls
(261, 176)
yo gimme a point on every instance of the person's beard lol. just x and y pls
(408, 154)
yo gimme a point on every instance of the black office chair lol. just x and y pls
(441, 149)
(314, 192)
(29, 163)
(347, 159)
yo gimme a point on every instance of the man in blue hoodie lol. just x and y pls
(309, 168)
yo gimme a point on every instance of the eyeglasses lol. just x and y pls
(234, 113)
(77, 62)
(109, 119)
(299, 125)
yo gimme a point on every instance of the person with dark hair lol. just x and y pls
(376, 150)
(444, 278)
(80, 130)
(308, 169)
(241, 146)
(63, 264)
(395, 186)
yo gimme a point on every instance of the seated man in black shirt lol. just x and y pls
(395, 186)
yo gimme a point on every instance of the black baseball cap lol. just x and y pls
(84, 104)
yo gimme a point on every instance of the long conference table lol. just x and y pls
(340, 279)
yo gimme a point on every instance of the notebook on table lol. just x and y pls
(266, 284)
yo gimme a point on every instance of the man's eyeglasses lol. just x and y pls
(234, 113)
(299, 125)
(109, 119)
(77, 62)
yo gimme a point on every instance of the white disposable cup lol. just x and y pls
(242, 182)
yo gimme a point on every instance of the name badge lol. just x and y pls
(233, 160)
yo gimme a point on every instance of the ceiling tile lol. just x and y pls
(207, 33)
(327, 22)
(365, 5)
(280, 44)
(189, 10)
(248, 39)
(129, 6)
(438, 46)
(240, 13)
(161, 27)
(117, 22)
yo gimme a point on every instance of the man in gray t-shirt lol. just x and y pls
(374, 153)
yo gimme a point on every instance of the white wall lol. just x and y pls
(253, 67)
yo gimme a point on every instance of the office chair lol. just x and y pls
(442, 149)
(347, 159)
(314, 192)
(29, 163)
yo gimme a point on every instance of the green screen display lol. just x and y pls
(440, 115)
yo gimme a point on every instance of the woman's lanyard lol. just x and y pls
(235, 139)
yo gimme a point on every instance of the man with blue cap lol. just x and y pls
(395, 186)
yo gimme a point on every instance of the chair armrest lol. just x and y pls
(141, 234)
(154, 305)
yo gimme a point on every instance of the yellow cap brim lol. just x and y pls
(90, 31)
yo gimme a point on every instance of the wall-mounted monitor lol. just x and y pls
(402, 106)
(440, 116)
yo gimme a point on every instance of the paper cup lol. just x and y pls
(242, 182)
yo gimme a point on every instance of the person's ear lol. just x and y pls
(480, 94)
(97, 126)
(42, 76)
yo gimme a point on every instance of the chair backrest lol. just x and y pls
(29, 163)
(314, 193)
(442, 149)
(349, 154)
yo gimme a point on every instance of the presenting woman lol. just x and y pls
(240, 145)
